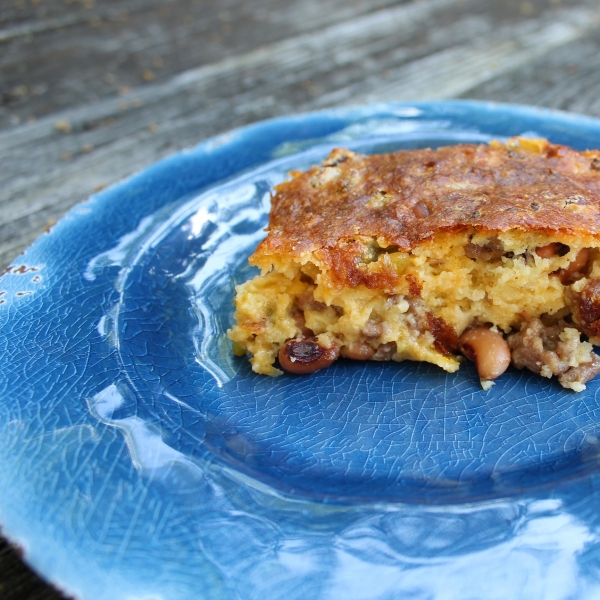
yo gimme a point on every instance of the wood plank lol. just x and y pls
(376, 56)
(565, 79)
(488, 55)
(190, 107)
(79, 56)
(385, 55)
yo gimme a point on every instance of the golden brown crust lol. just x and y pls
(445, 337)
(408, 197)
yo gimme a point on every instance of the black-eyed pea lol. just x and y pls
(548, 251)
(306, 356)
(488, 349)
(575, 267)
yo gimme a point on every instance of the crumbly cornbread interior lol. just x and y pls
(437, 278)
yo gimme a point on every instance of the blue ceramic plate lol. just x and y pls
(140, 459)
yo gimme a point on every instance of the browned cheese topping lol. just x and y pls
(405, 198)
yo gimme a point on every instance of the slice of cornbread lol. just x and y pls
(490, 251)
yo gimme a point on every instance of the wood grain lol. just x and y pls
(92, 91)
(93, 54)
(410, 51)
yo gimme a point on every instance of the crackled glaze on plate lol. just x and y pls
(140, 459)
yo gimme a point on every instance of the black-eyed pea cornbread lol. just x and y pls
(490, 251)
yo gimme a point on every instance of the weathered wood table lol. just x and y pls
(93, 90)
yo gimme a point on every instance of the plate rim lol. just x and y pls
(233, 136)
